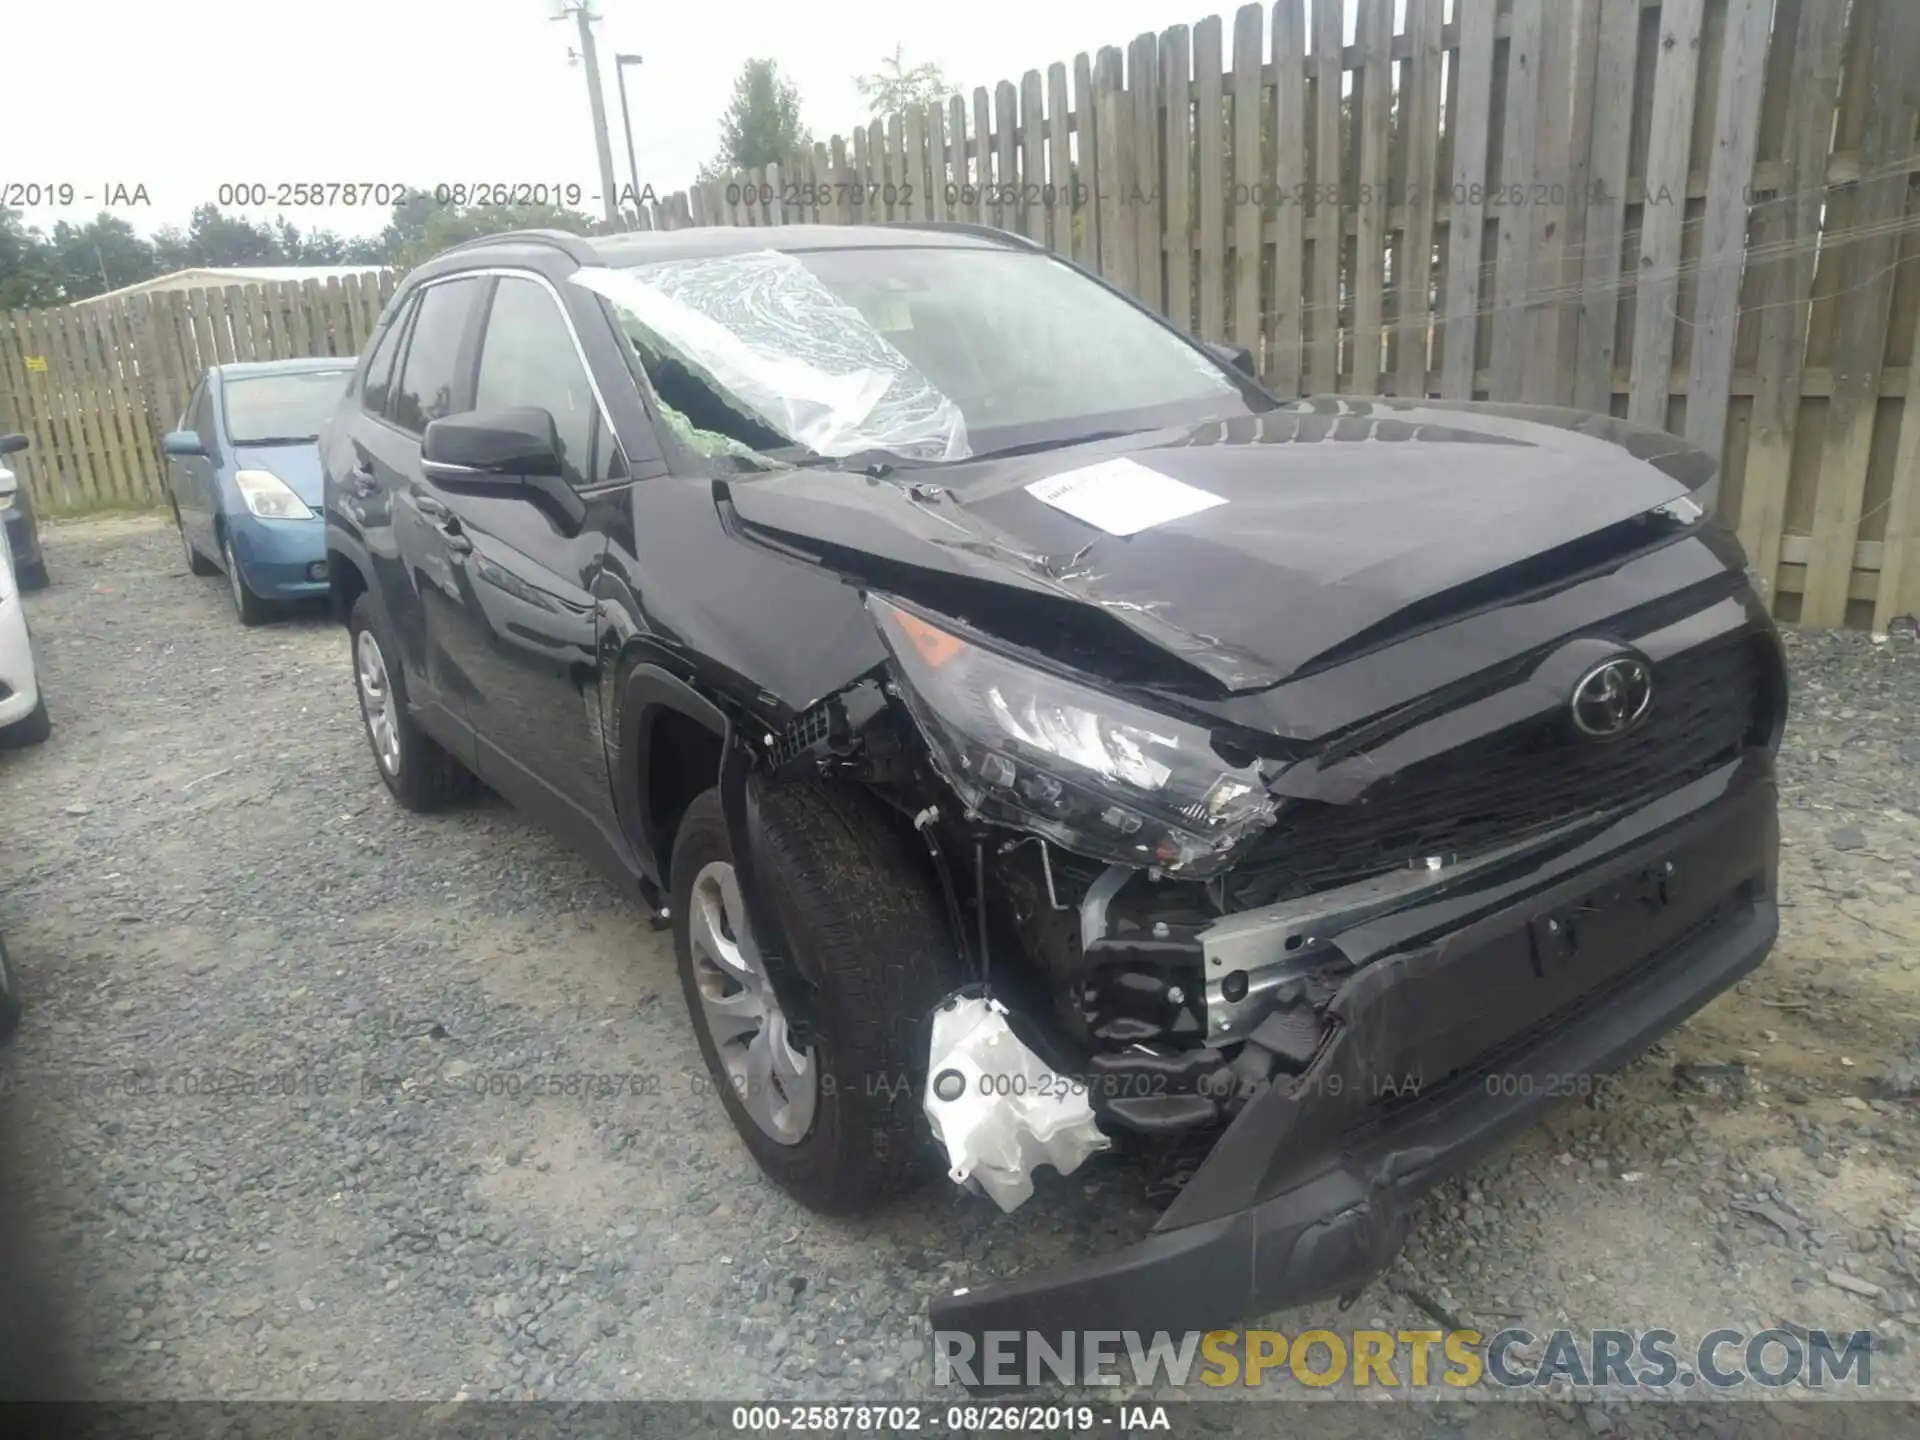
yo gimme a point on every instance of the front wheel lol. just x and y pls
(9, 995)
(251, 609)
(836, 1122)
(416, 769)
(32, 730)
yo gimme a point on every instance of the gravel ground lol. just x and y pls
(251, 1139)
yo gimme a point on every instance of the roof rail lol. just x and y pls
(965, 227)
(564, 240)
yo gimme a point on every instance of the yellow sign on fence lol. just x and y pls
(36, 363)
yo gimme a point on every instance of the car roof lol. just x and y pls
(644, 247)
(242, 369)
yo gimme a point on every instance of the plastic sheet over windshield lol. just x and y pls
(766, 332)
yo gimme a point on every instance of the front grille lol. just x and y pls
(1707, 705)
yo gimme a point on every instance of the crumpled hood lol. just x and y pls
(1338, 516)
(298, 465)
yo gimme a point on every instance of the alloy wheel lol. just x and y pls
(376, 699)
(777, 1083)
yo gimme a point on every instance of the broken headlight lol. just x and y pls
(1094, 773)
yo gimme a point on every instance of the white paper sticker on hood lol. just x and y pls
(1121, 497)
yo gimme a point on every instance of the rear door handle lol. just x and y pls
(360, 480)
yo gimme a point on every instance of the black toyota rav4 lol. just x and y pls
(1043, 740)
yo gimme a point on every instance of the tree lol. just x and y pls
(762, 124)
(101, 255)
(424, 236)
(27, 275)
(215, 239)
(896, 87)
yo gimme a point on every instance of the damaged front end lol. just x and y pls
(1301, 948)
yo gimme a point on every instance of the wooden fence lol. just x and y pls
(1699, 214)
(95, 385)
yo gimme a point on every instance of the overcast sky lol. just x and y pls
(184, 96)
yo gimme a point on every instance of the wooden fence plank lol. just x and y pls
(1420, 98)
(1210, 146)
(36, 467)
(961, 207)
(1786, 229)
(232, 302)
(77, 400)
(1513, 278)
(1373, 91)
(266, 343)
(863, 181)
(95, 354)
(135, 395)
(1176, 90)
(1033, 158)
(984, 212)
(1552, 208)
(1284, 289)
(50, 438)
(1723, 233)
(896, 194)
(1086, 234)
(1675, 75)
(1871, 253)
(1060, 207)
(1329, 218)
(1244, 209)
(1474, 71)
(916, 180)
(1007, 208)
(1143, 202)
(1113, 170)
(1898, 592)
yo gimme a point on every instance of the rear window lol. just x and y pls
(282, 409)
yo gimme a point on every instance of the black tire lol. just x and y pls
(197, 563)
(868, 923)
(251, 609)
(9, 995)
(424, 777)
(33, 730)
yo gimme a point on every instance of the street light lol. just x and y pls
(620, 63)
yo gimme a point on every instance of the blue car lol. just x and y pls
(243, 477)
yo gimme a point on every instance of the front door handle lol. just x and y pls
(431, 508)
(457, 542)
(360, 481)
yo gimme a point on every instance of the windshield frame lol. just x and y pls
(228, 383)
(1244, 394)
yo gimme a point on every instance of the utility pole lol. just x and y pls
(620, 63)
(582, 12)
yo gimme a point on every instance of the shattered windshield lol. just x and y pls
(930, 353)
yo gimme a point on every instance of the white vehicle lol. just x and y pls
(23, 709)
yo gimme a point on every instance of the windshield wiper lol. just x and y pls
(1035, 447)
(875, 462)
(279, 440)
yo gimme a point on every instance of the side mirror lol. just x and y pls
(492, 449)
(1238, 356)
(13, 441)
(182, 444)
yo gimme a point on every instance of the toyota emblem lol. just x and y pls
(1612, 698)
